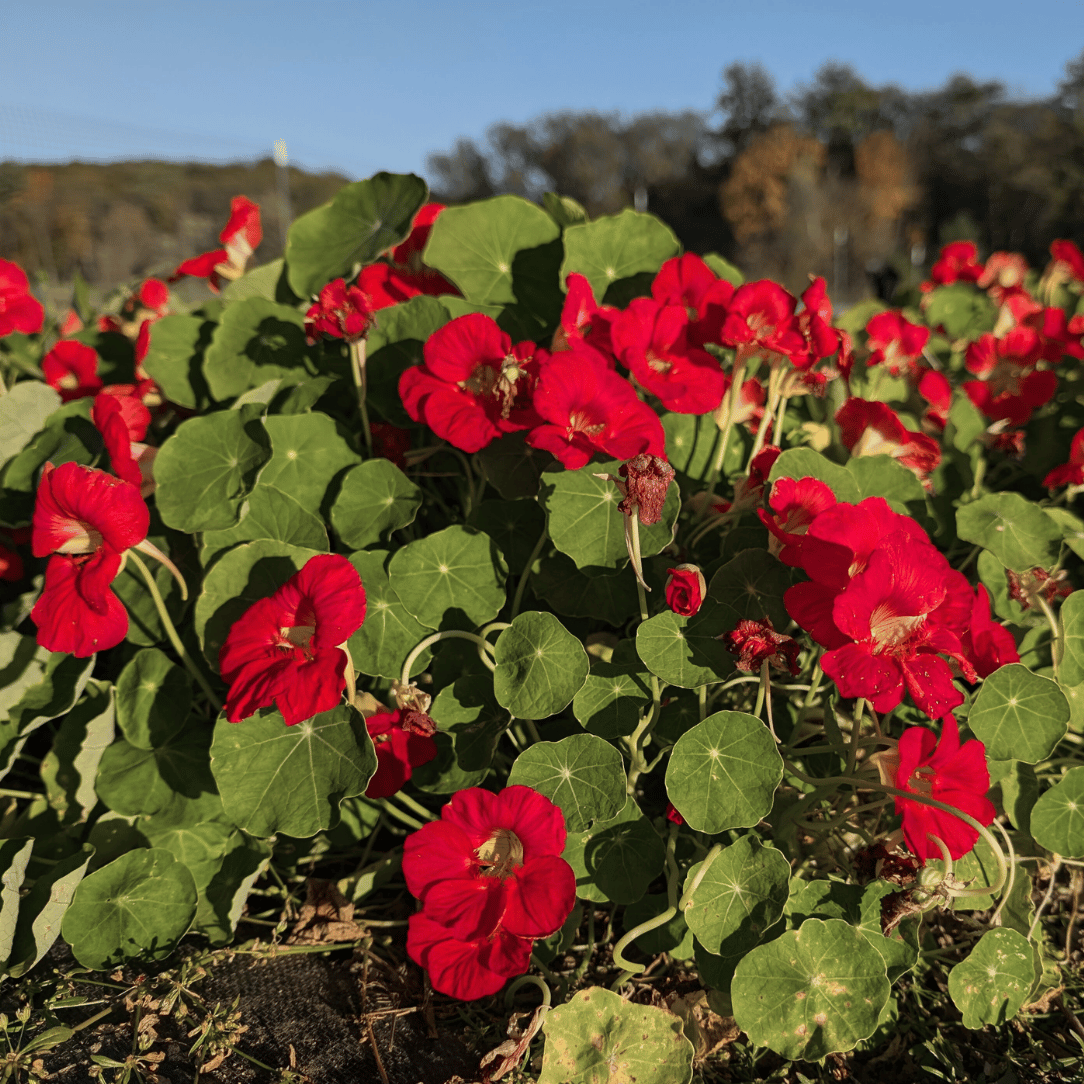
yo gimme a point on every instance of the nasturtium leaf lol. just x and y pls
(266, 281)
(476, 246)
(992, 984)
(1072, 528)
(564, 210)
(395, 344)
(241, 577)
(1057, 818)
(468, 710)
(268, 513)
(70, 768)
(582, 774)
(1015, 530)
(617, 246)
(41, 911)
(540, 666)
(806, 463)
(154, 697)
(692, 442)
(679, 714)
(375, 497)
(389, 632)
(961, 310)
(141, 904)
(883, 476)
(207, 468)
(584, 521)
(603, 593)
(14, 858)
(723, 773)
(613, 699)
(308, 453)
(965, 422)
(724, 269)
(616, 859)
(810, 992)
(740, 897)
(290, 779)
(686, 651)
(362, 220)
(222, 901)
(600, 1038)
(23, 413)
(133, 781)
(443, 774)
(255, 341)
(456, 574)
(199, 846)
(1019, 715)
(1019, 789)
(512, 466)
(1071, 671)
(752, 584)
(174, 359)
(515, 526)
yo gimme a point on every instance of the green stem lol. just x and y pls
(701, 873)
(672, 875)
(171, 631)
(728, 428)
(525, 574)
(632, 532)
(405, 818)
(414, 806)
(528, 980)
(774, 380)
(484, 646)
(1056, 643)
(357, 367)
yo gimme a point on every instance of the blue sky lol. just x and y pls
(360, 86)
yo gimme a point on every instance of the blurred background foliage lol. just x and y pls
(837, 177)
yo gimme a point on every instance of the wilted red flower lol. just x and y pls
(760, 318)
(342, 312)
(757, 642)
(650, 339)
(685, 589)
(795, 503)
(958, 263)
(86, 519)
(872, 428)
(11, 565)
(285, 648)
(647, 478)
(948, 772)
(896, 343)
(71, 368)
(240, 237)
(1071, 473)
(491, 879)
(986, 644)
(1011, 388)
(390, 442)
(583, 321)
(473, 385)
(404, 741)
(19, 311)
(586, 408)
(1028, 587)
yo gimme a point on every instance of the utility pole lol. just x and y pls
(283, 172)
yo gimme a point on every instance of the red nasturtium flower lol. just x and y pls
(872, 428)
(122, 419)
(760, 319)
(948, 772)
(685, 589)
(71, 368)
(86, 519)
(958, 262)
(341, 312)
(19, 311)
(1010, 387)
(757, 642)
(404, 741)
(896, 343)
(11, 565)
(987, 644)
(240, 237)
(795, 503)
(491, 879)
(1071, 473)
(287, 649)
(583, 321)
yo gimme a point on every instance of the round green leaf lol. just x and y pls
(174, 359)
(443, 774)
(752, 584)
(456, 574)
(686, 651)
(1019, 715)
(1057, 818)
(376, 496)
(290, 779)
(600, 1038)
(141, 904)
(308, 453)
(582, 774)
(468, 711)
(540, 666)
(515, 526)
(207, 468)
(600, 593)
(806, 463)
(390, 632)
(961, 310)
(992, 984)
(1015, 530)
(154, 697)
(616, 247)
(1071, 672)
(363, 220)
(14, 858)
(741, 896)
(810, 992)
(255, 341)
(23, 412)
(584, 522)
(132, 781)
(613, 699)
(512, 466)
(244, 575)
(723, 773)
(476, 246)
(883, 476)
(268, 513)
(265, 281)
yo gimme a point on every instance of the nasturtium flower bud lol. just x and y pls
(685, 589)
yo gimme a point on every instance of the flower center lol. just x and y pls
(69, 381)
(890, 629)
(81, 538)
(922, 781)
(872, 442)
(578, 422)
(501, 855)
(298, 635)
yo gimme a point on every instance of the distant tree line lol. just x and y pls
(838, 177)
